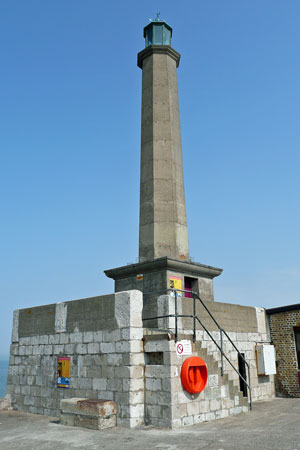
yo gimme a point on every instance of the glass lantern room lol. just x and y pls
(158, 32)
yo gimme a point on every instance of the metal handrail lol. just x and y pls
(196, 319)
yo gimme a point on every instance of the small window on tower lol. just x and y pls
(297, 340)
(158, 34)
(149, 38)
(167, 36)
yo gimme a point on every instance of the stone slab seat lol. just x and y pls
(88, 413)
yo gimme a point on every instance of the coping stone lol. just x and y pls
(88, 413)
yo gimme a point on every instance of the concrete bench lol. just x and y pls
(88, 413)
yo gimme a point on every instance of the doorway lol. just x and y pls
(243, 372)
(190, 284)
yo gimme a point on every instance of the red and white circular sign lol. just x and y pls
(179, 348)
(183, 348)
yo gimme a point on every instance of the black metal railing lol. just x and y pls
(176, 316)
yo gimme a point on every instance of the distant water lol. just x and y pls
(3, 376)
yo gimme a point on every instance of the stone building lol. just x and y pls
(113, 356)
(130, 346)
(285, 334)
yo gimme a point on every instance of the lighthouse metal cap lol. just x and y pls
(157, 32)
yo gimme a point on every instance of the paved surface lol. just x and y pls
(271, 425)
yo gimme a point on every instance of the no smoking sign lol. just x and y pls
(179, 349)
(183, 348)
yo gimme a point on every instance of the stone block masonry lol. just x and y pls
(113, 358)
(263, 387)
(167, 404)
(102, 336)
(88, 413)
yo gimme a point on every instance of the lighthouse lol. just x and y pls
(164, 261)
(163, 224)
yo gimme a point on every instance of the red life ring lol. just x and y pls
(194, 375)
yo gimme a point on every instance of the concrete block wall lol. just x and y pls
(263, 387)
(107, 360)
(114, 358)
(167, 404)
(246, 326)
(282, 326)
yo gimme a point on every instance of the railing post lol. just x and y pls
(176, 313)
(222, 352)
(194, 318)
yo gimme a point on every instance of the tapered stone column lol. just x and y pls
(163, 224)
(164, 261)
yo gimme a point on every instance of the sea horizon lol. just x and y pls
(3, 374)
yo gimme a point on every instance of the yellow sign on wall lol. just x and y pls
(176, 283)
(63, 372)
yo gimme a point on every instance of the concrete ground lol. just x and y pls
(271, 425)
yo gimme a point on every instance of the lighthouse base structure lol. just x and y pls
(113, 355)
(158, 276)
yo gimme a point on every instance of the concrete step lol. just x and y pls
(214, 367)
(231, 374)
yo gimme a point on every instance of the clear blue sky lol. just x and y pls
(70, 93)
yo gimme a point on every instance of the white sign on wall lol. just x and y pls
(183, 348)
(266, 363)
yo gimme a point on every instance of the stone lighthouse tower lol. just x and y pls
(163, 226)
(164, 261)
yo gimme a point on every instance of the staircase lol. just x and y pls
(221, 387)
(215, 366)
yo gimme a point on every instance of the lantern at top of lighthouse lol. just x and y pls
(157, 32)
